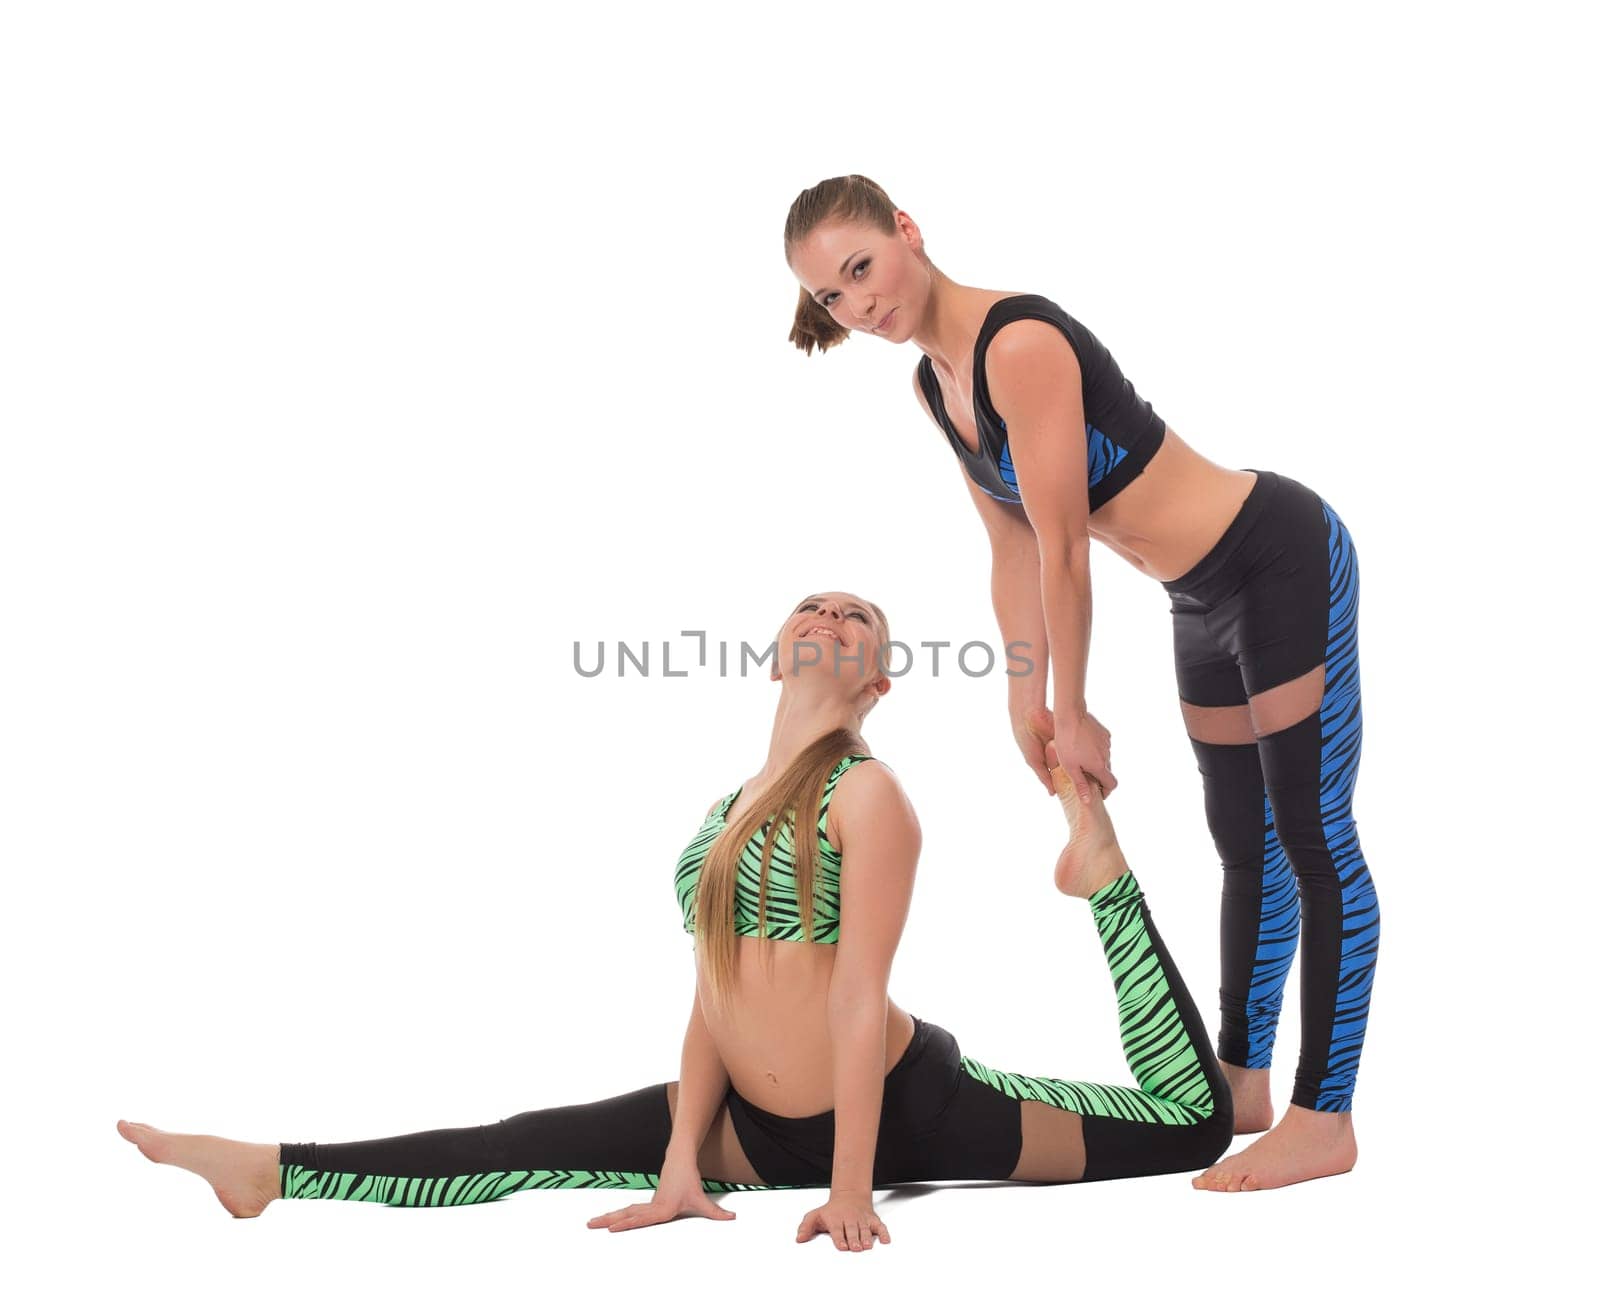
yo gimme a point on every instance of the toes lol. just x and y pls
(153, 1144)
(1222, 1176)
(1218, 1177)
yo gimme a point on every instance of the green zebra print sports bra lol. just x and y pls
(783, 903)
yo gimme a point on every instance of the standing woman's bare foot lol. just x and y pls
(1252, 1097)
(1303, 1146)
(244, 1176)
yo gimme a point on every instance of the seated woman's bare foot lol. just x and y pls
(1303, 1146)
(1252, 1097)
(1092, 858)
(244, 1176)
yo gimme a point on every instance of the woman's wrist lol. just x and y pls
(1068, 710)
(1026, 693)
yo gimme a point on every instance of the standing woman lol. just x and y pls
(1263, 583)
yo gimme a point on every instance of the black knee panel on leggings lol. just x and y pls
(1115, 1148)
(1237, 815)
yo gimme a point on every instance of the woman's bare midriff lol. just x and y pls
(1168, 517)
(775, 1041)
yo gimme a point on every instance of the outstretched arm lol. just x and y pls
(702, 1086)
(879, 839)
(1018, 606)
(1036, 384)
(1015, 590)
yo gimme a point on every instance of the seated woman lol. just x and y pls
(798, 1069)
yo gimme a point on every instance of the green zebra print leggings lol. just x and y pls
(944, 1116)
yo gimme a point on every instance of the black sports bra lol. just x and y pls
(1123, 431)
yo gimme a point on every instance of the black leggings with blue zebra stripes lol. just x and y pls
(944, 1116)
(1276, 596)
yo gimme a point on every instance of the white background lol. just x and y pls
(360, 358)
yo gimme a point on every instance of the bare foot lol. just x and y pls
(1252, 1097)
(1092, 858)
(244, 1176)
(1303, 1146)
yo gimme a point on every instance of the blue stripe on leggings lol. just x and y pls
(1341, 754)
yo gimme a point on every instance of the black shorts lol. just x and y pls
(937, 1123)
(1255, 608)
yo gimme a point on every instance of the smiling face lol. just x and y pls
(833, 633)
(861, 275)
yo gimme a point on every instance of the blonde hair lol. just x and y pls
(797, 796)
(849, 199)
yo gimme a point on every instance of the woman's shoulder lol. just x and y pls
(850, 762)
(865, 782)
(869, 794)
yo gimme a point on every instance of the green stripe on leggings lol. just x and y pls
(1172, 1084)
(479, 1187)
